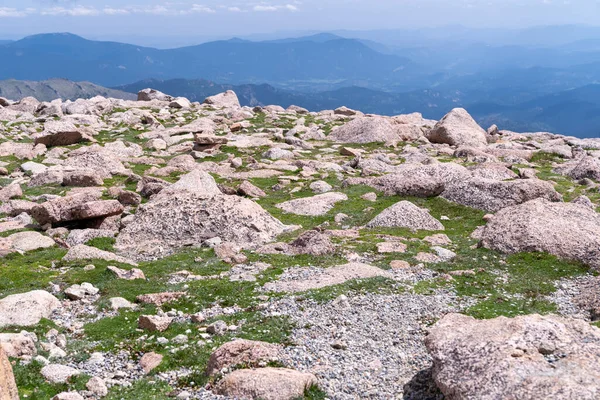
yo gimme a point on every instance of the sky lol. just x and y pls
(155, 21)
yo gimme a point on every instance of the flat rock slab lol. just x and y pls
(24, 241)
(83, 252)
(266, 384)
(313, 206)
(303, 279)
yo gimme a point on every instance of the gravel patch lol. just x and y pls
(366, 346)
(307, 278)
(564, 297)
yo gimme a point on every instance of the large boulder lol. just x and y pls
(193, 214)
(104, 162)
(197, 182)
(365, 130)
(27, 309)
(458, 128)
(223, 100)
(496, 171)
(152, 94)
(492, 195)
(8, 386)
(567, 230)
(320, 204)
(581, 168)
(24, 241)
(10, 191)
(405, 214)
(18, 344)
(528, 357)
(81, 206)
(27, 105)
(266, 384)
(60, 133)
(416, 179)
(22, 151)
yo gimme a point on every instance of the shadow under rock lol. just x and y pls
(422, 387)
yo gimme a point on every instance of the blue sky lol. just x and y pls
(212, 19)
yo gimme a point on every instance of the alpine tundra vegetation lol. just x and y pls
(163, 248)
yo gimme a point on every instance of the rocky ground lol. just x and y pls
(159, 249)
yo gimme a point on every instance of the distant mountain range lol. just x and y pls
(68, 56)
(366, 100)
(57, 89)
(528, 80)
(573, 112)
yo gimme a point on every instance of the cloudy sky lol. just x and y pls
(119, 19)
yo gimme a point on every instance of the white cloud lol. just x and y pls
(79, 11)
(198, 8)
(61, 8)
(6, 12)
(115, 11)
(266, 7)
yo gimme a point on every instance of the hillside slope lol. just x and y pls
(57, 89)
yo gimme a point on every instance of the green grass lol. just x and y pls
(103, 243)
(32, 271)
(507, 285)
(33, 386)
(142, 389)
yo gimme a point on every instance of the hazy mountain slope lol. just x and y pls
(573, 112)
(431, 103)
(199, 89)
(69, 56)
(57, 88)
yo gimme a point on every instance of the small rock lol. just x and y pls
(97, 386)
(68, 396)
(339, 345)
(372, 197)
(218, 328)
(391, 247)
(78, 292)
(154, 323)
(320, 187)
(149, 361)
(57, 373)
(130, 275)
(116, 303)
(399, 265)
